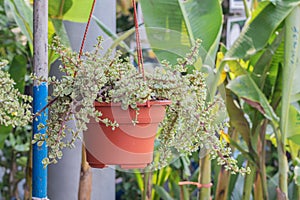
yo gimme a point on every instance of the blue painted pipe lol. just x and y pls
(39, 172)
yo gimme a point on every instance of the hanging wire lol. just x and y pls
(137, 35)
(138, 42)
(86, 29)
(85, 32)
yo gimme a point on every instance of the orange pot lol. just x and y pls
(130, 146)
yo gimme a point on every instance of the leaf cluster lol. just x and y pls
(190, 121)
(15, 108)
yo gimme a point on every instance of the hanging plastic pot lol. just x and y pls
(129, 145)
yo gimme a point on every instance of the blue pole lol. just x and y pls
(39, 172)
(40, 94)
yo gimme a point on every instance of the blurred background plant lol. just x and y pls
(14, 142)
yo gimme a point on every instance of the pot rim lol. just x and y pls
(149, 103)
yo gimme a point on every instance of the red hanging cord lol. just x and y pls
(137, 35)
(86, 31)
(138, 42)
(199, 185)
(138, 46)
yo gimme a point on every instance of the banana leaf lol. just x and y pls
(290, 110)
(244, 87)
(172, 27)
(255, 35)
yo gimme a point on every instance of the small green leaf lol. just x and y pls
(22, 147)
(22, 161)
(40, 143)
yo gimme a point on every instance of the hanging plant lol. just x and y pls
(190, 121)
(15, 108)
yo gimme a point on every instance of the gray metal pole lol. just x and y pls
(40, 94)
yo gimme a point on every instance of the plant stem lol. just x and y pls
(223, 182)
(247, 10)
(45, 107)
(282, 161)
(298, 192)
(260, 184)
(147, 186)
(204, 177)
(28, 186)
(249, 182)
(283, 169)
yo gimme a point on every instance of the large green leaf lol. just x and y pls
(172, 26)
(162, 193)
(57, 8)
(79, 12)
(272, 185)
(4, 132)
(166, 29)
(297, 174)
(237, 117)
(71, 10)
(266, 68)
(56, 28)
(293, 125)
(17, 70)
(244, 87)
(237, 192)
(118, 40)
(23, 16)
(60, 31)
(263, 23)
(205, 22)
(290, 121)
